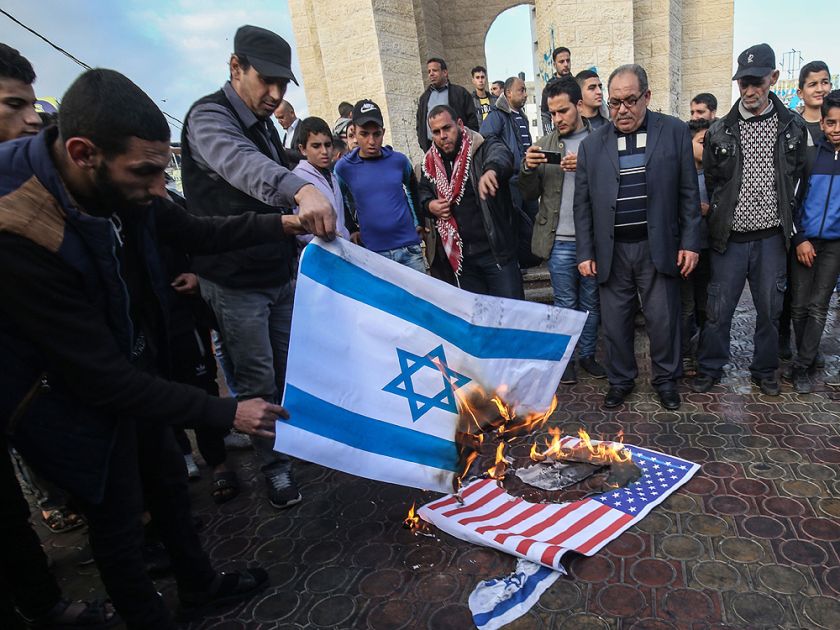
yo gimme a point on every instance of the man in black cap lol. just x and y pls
(753, 160)
(233, 161)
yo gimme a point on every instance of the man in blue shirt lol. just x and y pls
(382, 184)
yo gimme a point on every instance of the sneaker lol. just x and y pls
(569, 374)
(594, 368)
(818, 364)
(832, 379)
(703, 382)
(768, 386)
(193, 473)
(282, 489)
(787, 373)
(236, 441)
(801, 382)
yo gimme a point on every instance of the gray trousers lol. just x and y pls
(633, 274)
(255, 326)
(762, 263)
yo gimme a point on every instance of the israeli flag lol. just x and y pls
(379, 351)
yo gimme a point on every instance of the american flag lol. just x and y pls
(543, 532)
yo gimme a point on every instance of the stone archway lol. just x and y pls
(377, 48)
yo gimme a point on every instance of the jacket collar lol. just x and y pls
(785, 115)
(502, 104)
(248, 118)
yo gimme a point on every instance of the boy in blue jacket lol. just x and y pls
(817, 241)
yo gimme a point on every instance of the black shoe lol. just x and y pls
(768, 386)
(615, 396)
(282, 489)
(785, 352)
(569, 374)
(801, 382)
(703, 382)
(593, 367)
(669, 397)
(226, 590)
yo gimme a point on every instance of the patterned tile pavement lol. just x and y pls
(753, 541)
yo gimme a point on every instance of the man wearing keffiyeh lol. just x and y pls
(464, 190)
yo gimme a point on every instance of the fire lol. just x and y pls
(411, 521)
(605, 451)
(497, 471)
(583, 451)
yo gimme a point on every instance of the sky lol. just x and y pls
(177, 50)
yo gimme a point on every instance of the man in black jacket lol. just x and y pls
(84, 329)
(753, 160)
(442, 92)
(233, 162)
(465, 190)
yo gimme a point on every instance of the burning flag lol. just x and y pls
(381, 355)
(543, 532)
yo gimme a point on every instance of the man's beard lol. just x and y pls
(109, 197)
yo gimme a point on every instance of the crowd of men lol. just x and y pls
(113, 284)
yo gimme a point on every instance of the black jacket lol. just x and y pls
(68, 341)
(497, 213)
(673, 200)
(459, 99)
(208, 195)
(723, 168)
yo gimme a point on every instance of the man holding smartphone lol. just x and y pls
(548, 173)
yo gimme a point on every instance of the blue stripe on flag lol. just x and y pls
(320, 417)
(532, 582)
(483, 342)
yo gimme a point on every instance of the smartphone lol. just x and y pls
(553, 157)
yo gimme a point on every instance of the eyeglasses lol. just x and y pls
(629, 102)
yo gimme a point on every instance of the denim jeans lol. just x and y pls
(255, 326)
(480, 273)
(571, 290)
(762, 263)
(811, 289)
(410, 256)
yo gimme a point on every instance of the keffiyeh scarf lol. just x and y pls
(452, 190)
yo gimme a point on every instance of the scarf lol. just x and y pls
(452, 190)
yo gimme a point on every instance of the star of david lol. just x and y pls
(419, 404)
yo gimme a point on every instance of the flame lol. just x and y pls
(605, 451)
(497, 471)
(411, 521)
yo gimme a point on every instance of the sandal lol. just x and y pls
(225, 590)
(62, 520)
(225, 486)
(96, 615)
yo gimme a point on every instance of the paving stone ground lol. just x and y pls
(751, 542)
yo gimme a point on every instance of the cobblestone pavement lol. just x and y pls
(751, 542)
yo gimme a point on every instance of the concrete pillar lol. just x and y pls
(707, 53)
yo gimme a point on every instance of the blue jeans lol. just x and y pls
(410, 256)
(255, 326)
(571, 290)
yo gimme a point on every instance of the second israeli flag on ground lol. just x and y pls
(378, 352)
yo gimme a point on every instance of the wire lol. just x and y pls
(70, 56)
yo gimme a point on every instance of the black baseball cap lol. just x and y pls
(756, 61)
(367, 111)
(269, 53)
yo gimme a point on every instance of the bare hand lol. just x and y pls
(704, 209)
(292, 225)
(356, 238)
(534, 157)
(687, 261)
(316, 213)
(569, 162)
(488, 185)
(440, 208)
(805, 253)
(186, 283)
(588, 268)
(257, 417)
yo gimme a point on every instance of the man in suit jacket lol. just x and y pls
(637, 221)
(442, 92)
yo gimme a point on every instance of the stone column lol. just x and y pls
(707, 54)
